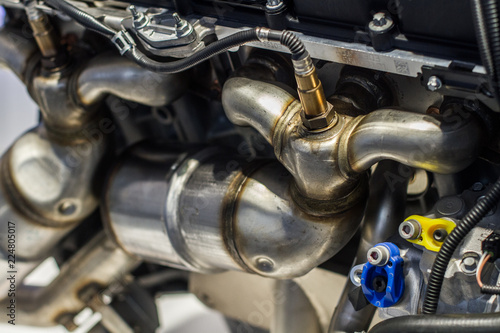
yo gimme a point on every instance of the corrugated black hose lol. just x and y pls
(485, 14)
(456, 323)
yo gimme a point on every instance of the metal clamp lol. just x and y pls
(123, 41)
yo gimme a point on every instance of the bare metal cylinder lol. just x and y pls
(209, 211)
(43, 31)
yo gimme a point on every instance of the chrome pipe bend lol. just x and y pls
(16, 51)
(327, 165)
(321, 187)
(111, 74)
(441, 144)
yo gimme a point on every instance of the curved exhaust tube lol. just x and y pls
(209, 212)
(443, 144)
(327, 164)
(49, 177)
(115, 75)
(16, 50)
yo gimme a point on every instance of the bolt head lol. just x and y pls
(469, 263)
(434, 83)
(381, 22)
(378, 255)
(410, 229)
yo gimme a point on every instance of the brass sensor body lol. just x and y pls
(317, 113)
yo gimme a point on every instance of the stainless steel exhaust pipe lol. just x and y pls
(207, 212)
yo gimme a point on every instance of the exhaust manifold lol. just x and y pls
(208, 211)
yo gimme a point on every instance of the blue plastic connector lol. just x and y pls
(384, 285)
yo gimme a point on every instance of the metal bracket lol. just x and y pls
(459, 80)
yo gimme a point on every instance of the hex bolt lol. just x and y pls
(410, 229)
(439, 235)
(434, 83)
(378, 255)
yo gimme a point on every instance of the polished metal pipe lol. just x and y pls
(439, 144)
(99, 262)
(310, 156)
(327, 164)
(257, 104)
(115, 75)
(207, 212)
(16, 50)
(46, 189)
(384, 212)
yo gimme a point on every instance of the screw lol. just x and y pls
(140, 20)
(410, 229)
(378, 255)
(439, 235)
(434, 83)
(134, 12)
(379, 284)
(177, 18)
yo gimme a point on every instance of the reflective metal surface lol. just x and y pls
(397, 61)
(438, 144)
(210, 212)
(115, 75)
(310, 156)
(16, 50)
(99, 262)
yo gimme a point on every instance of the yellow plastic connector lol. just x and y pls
(432, 231)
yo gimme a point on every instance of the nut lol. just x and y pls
(319, 122)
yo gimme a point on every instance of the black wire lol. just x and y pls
(211, 50)
(488, 289)
(82, 17)
(286, 38)
(473, 217)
